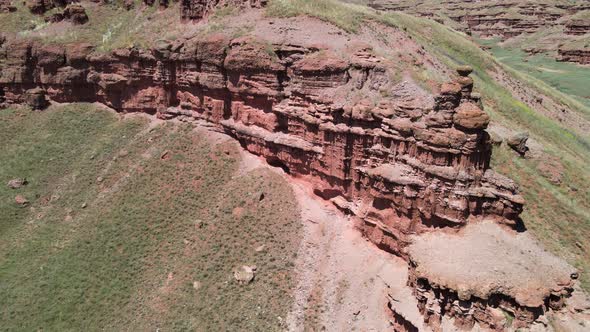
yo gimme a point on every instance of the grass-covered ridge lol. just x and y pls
(135, 226)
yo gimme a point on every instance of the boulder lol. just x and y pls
(76, 14)
(17, 183)
(128, 4)
(36, 99)
(470, 116)
(21, 200)
(450, 88)
(518, 142)
(464, 70)
(244, 274)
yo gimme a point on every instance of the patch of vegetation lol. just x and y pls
(509, 318)
(137, 226)
(109, 26)
(331, 11)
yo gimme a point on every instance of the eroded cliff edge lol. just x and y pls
(404, 162)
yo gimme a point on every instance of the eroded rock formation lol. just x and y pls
(574, 55)
(404, 164)
(42, 6)
(74, 13)
(510, 278)
(505, 18)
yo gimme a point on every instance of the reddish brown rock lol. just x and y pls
(581, 56)
(506, 19)
(451, 88)
(21, 200)
(510, 275)
(41, 6)
(577, 27)
(76, 14)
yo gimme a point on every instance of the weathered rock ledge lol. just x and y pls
(490, 275)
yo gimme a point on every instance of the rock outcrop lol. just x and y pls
(198, 9)
(510, 282)
(581, 56)
(6, 6)
(505, 18)
(400, 160)
(74, 13)
(41, 6)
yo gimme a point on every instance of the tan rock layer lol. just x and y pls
(581, 56)
(498, 312)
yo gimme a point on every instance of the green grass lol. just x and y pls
(109, 26)
(150, 228)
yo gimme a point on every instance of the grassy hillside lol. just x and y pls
(136, 226)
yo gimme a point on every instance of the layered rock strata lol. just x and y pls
(505, 18)
(581, 56)
(405, 164)
(41, 6)
(577, 27)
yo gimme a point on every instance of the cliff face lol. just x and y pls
(406, 164)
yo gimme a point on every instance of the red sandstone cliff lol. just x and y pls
(405, 164)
